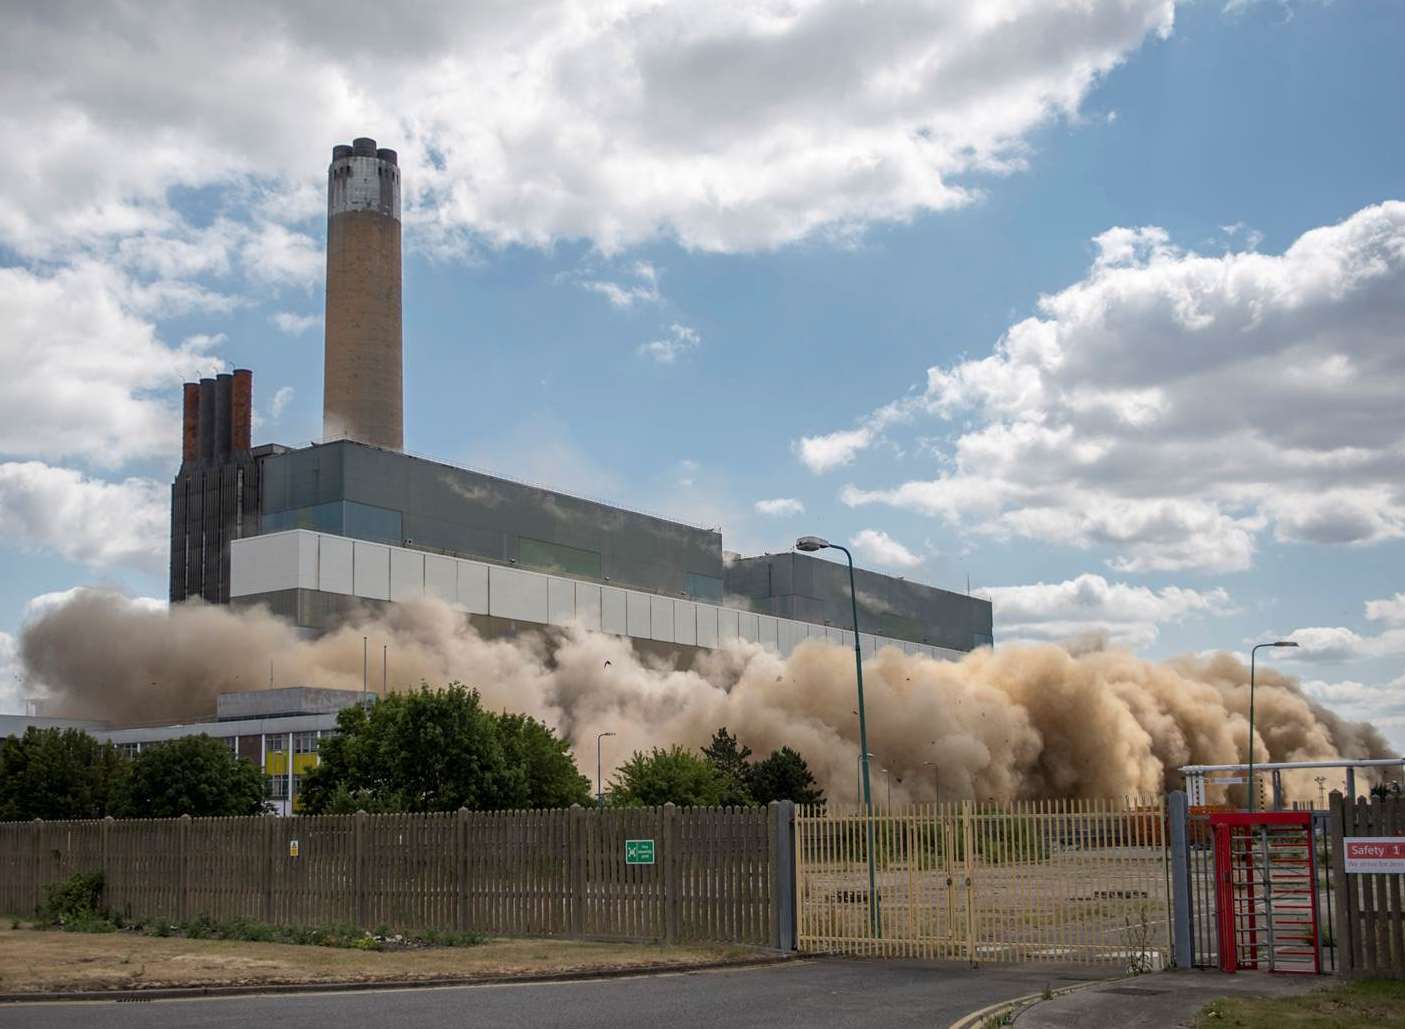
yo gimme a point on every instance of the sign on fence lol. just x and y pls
(639, 852)
(292, 848)
(1375, 854)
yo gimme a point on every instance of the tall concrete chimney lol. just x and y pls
(363, 380)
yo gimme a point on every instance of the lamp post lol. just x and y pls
(599, 777)
(810, 544)
(858, 773)
(1253, 654)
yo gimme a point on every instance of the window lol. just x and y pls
(277, 787)
(379, 524)
(899, 628)
(305, 742)
(707, 588)
(558, 558)
(319, 517)
(129, 750)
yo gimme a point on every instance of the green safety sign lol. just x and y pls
(639, 852)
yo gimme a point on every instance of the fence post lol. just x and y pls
(1347, 946)
(670, 873)
(780, 831)
(267, 870)
(576, 870)
(461, 866)
(37, 844)
(1182, 932)
(358, 875)
(183, 837)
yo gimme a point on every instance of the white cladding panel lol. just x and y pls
(786, 636)
(473, 586)
(726, 625)
(334, 565)
(406, 574)
(867, 644)
(833, 635)
(262, 564)
(661, 619)
(749, 626)
(441, 578)
(685, 622)
(637, 618)
(560, 600)
(612, 611)
(520, 596)
(371, 570)
(707, 625)
(588, 605)
(768, 632)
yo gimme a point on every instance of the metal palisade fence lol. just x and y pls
(706, 874)
(1070, 880)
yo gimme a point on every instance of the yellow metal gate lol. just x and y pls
(1074, 880)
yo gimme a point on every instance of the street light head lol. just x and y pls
(810, 544)
(1285, 643)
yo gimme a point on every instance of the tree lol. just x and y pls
(438, 750)
(56, 774)
(543, 772)
(193, 775)
(728, 759)
(666, 776)
(784, 775)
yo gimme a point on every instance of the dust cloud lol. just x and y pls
(1014, 722)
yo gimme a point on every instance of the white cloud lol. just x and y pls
(667, 349)
(877, 547)
(1380, 704)
(280, 402)
(46, 602)
(1089, 605)
(296, 324)
(780, 507)
(1320, 643)
(644, 289)
(85, 374)
(1170, 407)
(727, 127)
(96, 523)
(1390, 610)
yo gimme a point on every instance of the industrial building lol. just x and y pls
(318, 531)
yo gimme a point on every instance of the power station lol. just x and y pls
(316, 532)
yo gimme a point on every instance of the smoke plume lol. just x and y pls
(1013, 722)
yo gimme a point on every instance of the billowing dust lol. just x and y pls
(1014, 722)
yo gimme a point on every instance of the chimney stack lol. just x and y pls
(363, 380)
(217, 422)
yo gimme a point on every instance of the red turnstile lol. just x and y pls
(1266, 888)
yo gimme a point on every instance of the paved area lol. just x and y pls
(1164, 1000)
(820, 993)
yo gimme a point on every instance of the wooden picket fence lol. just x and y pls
(516, 873)
(1058, 880)
(1370, 911)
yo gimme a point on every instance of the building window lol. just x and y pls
(129, 750)
(277, 787)
(379, 524)
(305, 742)
(707, 588)
(558, 558)
(319, 517)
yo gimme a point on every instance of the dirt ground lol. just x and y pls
(33, 961)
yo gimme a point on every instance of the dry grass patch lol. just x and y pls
(39, 961)
(1362, 1004)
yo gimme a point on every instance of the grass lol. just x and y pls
(1361, 1004)
(37, 960)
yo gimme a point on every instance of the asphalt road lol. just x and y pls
(827, 993)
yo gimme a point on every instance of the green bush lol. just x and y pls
(73, 900)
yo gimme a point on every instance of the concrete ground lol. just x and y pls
(1164, 1000)
(837, 993)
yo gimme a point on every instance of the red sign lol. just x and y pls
(1375, 854)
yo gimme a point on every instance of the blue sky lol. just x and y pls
(1098, 306)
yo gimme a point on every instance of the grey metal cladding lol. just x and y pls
(813, 590)
(458, 511)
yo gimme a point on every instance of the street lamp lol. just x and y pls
(810, 544)
(1254, 653)
(858, 773)
(599, 778)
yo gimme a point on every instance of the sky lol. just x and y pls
(1097, 307)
